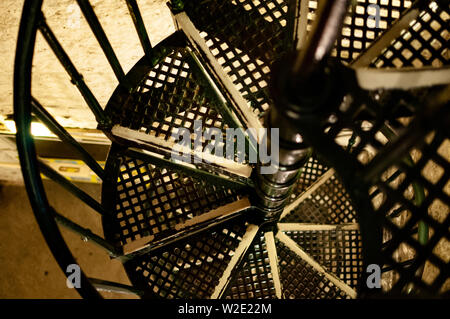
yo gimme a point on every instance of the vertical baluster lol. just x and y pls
(76, 77)
(53, 175)
(58, 130)
(140, 26)
(102, 39)
(86, 234)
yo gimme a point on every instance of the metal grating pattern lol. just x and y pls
(300, 281)
(311, 171)
(168, 98)
(255, 278)
(190, 268)
(424, 43)
(424, 133)
(431, 171)
(338, 251)
(307, 212)
(329, 204)
(359, 28)
(150, 200)
(247, 58)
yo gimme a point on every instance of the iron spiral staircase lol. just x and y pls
(362, 111)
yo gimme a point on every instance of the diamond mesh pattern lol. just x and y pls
(311, 171)
(151, 200)
(247, 58)
(424, 135)
(255, 278)
(168, 98)
(359, 28)
(424, 43)
(338, 251)
(300, 281)
(329, 204)
(190, 268)
(431, 171)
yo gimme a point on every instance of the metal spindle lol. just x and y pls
(86, 234)
(103, 285)
(102, 39)
(53, 175)
(140, 26)
(58, 130)
(76, 77)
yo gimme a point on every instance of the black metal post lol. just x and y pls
(53, 175)
(58, 130)
(294, 99)
(140, 26)
(75, 77)
(102, 39)
(27, 153)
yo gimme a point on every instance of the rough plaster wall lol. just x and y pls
(27, 267)
(51, 84)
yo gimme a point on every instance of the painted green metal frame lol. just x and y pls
(24, 105)
(33, 20)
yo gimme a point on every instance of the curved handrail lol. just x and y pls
(26, 148)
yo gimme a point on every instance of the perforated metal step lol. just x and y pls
(318, 250)
(375, 191)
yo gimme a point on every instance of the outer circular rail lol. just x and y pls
(26, 147)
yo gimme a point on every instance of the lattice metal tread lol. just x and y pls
(300, 280)
(171, 94)
(149, 200)
(360, 28)
(427, 149)
(338, 251)
(310, 172)
(329, 204)
(424, 43)
(264, 37)
(254, 280)
(188, 269)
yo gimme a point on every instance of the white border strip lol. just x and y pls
(322, 179)
(331, 277)
(241, 105)
(273, 260)
(217, 214)
(170, 147)
(242, 248)
(404, 78)
(316, 227)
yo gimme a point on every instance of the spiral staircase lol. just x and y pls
(361, 194)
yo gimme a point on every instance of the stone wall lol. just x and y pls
(51, 84)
